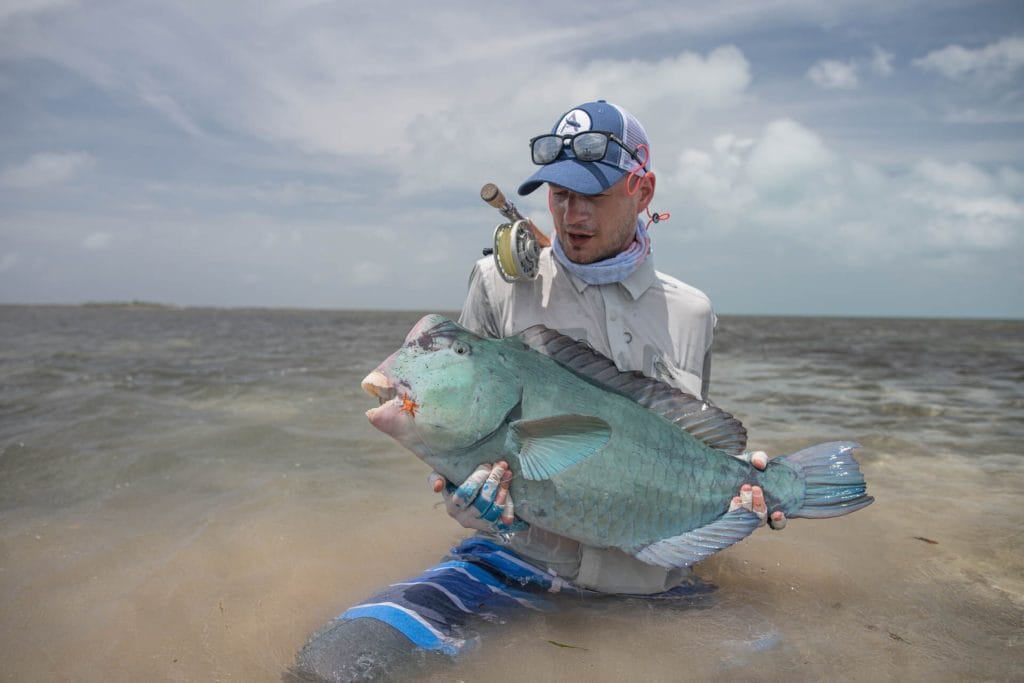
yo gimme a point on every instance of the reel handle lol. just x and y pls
(493, 196)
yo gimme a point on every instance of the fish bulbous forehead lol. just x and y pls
(425, 325)
(433, 328)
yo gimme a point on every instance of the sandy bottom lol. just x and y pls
(160, 582)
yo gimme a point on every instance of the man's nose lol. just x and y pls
(577, 208)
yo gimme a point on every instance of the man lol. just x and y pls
(597, 284)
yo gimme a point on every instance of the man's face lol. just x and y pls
(592, 228)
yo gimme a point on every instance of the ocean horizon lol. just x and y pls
(454, 311)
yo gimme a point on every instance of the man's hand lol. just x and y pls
(483, 501)
(752, 497)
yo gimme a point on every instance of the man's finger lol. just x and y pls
(493, 481)
(747, 496)
(757, 504)
(469, 489)
(504, 499)
(778, 520)
(757, 500)
(508, 511)
(759, 459)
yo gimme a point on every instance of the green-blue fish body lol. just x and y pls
(610, 459)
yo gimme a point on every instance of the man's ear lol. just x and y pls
(645, 191)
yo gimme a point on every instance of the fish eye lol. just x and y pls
(460, 348)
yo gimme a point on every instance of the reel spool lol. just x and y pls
(516, 252)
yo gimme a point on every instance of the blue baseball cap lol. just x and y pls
(592, 177)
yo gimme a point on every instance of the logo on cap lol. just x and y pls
(574, 122)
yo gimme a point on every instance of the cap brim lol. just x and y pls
(583, 177)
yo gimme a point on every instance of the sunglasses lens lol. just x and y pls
(546, 149)
(590, 146)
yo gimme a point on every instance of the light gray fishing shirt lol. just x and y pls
(649, 322)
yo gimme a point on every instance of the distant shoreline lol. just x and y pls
(124, 304)
(141, 305)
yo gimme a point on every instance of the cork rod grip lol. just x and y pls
(493, 196)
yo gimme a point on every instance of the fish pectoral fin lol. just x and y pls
(554, 444)
(693, 546)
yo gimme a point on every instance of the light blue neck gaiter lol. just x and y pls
(615, 269)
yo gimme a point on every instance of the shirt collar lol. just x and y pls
(635, 285)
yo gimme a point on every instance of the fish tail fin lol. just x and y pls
(833, 480)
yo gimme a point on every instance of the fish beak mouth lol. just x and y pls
(377, 384)
(397, 410)
(380, 387)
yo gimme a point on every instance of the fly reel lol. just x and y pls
(517, 244)
(516, 252)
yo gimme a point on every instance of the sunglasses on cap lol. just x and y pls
(589, 145)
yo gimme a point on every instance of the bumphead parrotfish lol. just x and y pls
(608, 458)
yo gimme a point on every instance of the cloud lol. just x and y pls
(993, 64)
(280, 155)
(966, 207)
(785, 157)
(671, 95)
(881, 61)
(13, 8)
(686, 82)
(97, 241)
(832, 74)
(45, 169)
(367, 273)
(163, 102)
(789, 184)
(472, 127)
(1010, 110)
(986, 90)
(340, 82)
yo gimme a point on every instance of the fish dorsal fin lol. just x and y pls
(554, 444)
(698, 417)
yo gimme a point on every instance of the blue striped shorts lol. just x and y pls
(479, 579)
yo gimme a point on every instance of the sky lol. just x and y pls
(854, 157)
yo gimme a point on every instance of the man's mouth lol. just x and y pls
(578, 239)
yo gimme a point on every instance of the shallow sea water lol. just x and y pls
(186, 495)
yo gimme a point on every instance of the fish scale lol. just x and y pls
(611, 459)
(659, 474)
